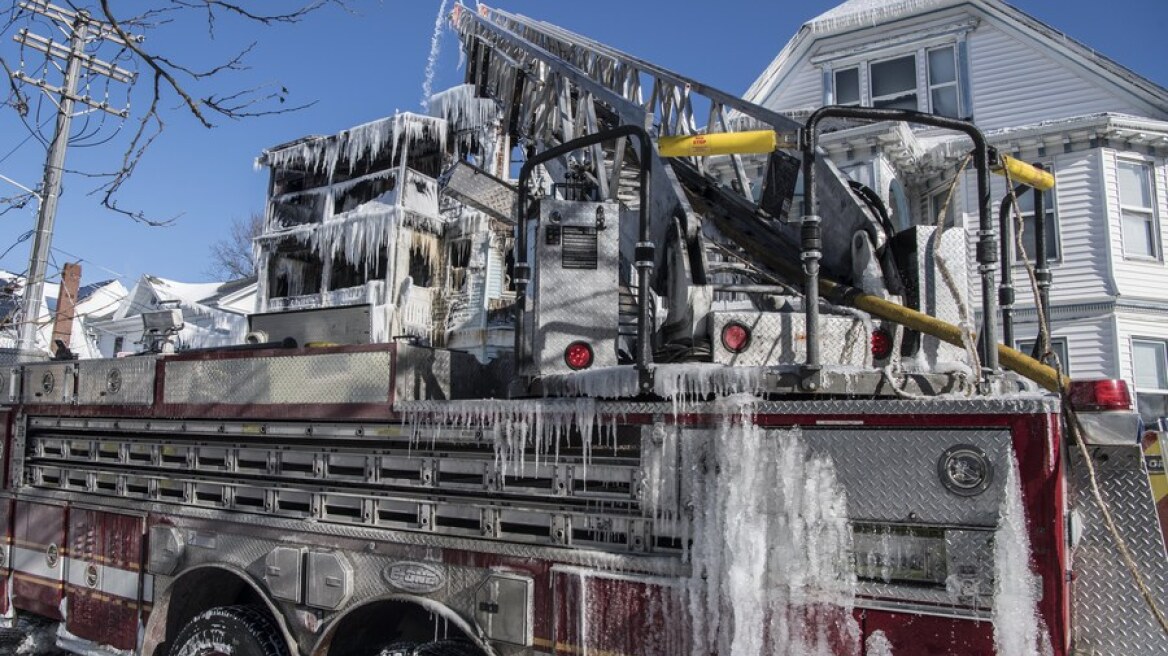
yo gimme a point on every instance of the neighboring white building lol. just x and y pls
(214, 314)
(95, 302)
(1038, 95)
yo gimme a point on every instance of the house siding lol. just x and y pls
(1015, 82)
(1081, 273)
(1135, 278)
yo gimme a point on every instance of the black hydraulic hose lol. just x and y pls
(645, 250)
(987, 246)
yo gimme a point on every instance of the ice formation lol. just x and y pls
(540, 426)
(771, 540)
(432, 60)
(877, 644)
(322, 154)
(1017, 627)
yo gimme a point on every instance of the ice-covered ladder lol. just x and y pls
(556, 85)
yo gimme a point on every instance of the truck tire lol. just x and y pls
(435, 648)
(447, 648)
(398, 649)
(230, 631)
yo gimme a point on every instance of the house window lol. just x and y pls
(847, 86)
(1150, 367)
(119, 341)
(1058, 346)
(926, 79)
(937, 204)
(1026, 209)
(894, 83)
(943, 82)
(1137, 209)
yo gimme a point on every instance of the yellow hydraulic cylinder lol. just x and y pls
(718, 143)
(1021, 172)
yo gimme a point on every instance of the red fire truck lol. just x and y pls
(716, 432)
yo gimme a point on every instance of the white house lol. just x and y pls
(1039, 95)
(95, 302)
(214, 314)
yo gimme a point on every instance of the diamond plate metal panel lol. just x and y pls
(891, 475)
(48, 383)
(483, 191)
(125, 381)
(426, 373)
(1108, 611)
(575, 304)
(825, 407)
(313, 378)
(781, 338)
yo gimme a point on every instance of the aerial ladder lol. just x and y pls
(554, 86)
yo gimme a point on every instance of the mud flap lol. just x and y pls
(1109, 612)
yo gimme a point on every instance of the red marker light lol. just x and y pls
(735, 337)
(881, 344)
(1097, 395)
(578, 355)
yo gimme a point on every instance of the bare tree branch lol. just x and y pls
(233, 257)
(168, 74)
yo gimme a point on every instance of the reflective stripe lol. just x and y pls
(31, 561)
(109, 580)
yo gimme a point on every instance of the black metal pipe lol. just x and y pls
(1042, 266)
(1006, 295)
(643, 257)
(987, 245)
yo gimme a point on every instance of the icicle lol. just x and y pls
(1016, 588)
(322, 154)
(464, 110)
(866, 13)
(514, 427)
(770, 542)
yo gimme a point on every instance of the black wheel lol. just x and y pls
(452, 647)
(399, 649)
(230, 631)
(449, 647)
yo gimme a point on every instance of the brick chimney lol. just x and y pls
(66, 303)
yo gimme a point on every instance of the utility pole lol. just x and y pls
(81, 29)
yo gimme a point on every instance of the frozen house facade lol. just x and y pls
(360, 218)
(1038, 95)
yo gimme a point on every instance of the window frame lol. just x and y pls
(1152, 221)
(859, 102)
(1059, 345)
(916, 89)
(1144, 405)
(955, 83)
(1162, 346)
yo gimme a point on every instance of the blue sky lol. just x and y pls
(366, 64)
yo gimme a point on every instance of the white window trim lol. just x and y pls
(1150, 166)
(1163, 343)
(863, 58)
(955, 84)
(916, 90)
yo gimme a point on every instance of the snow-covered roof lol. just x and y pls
(855, 14)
